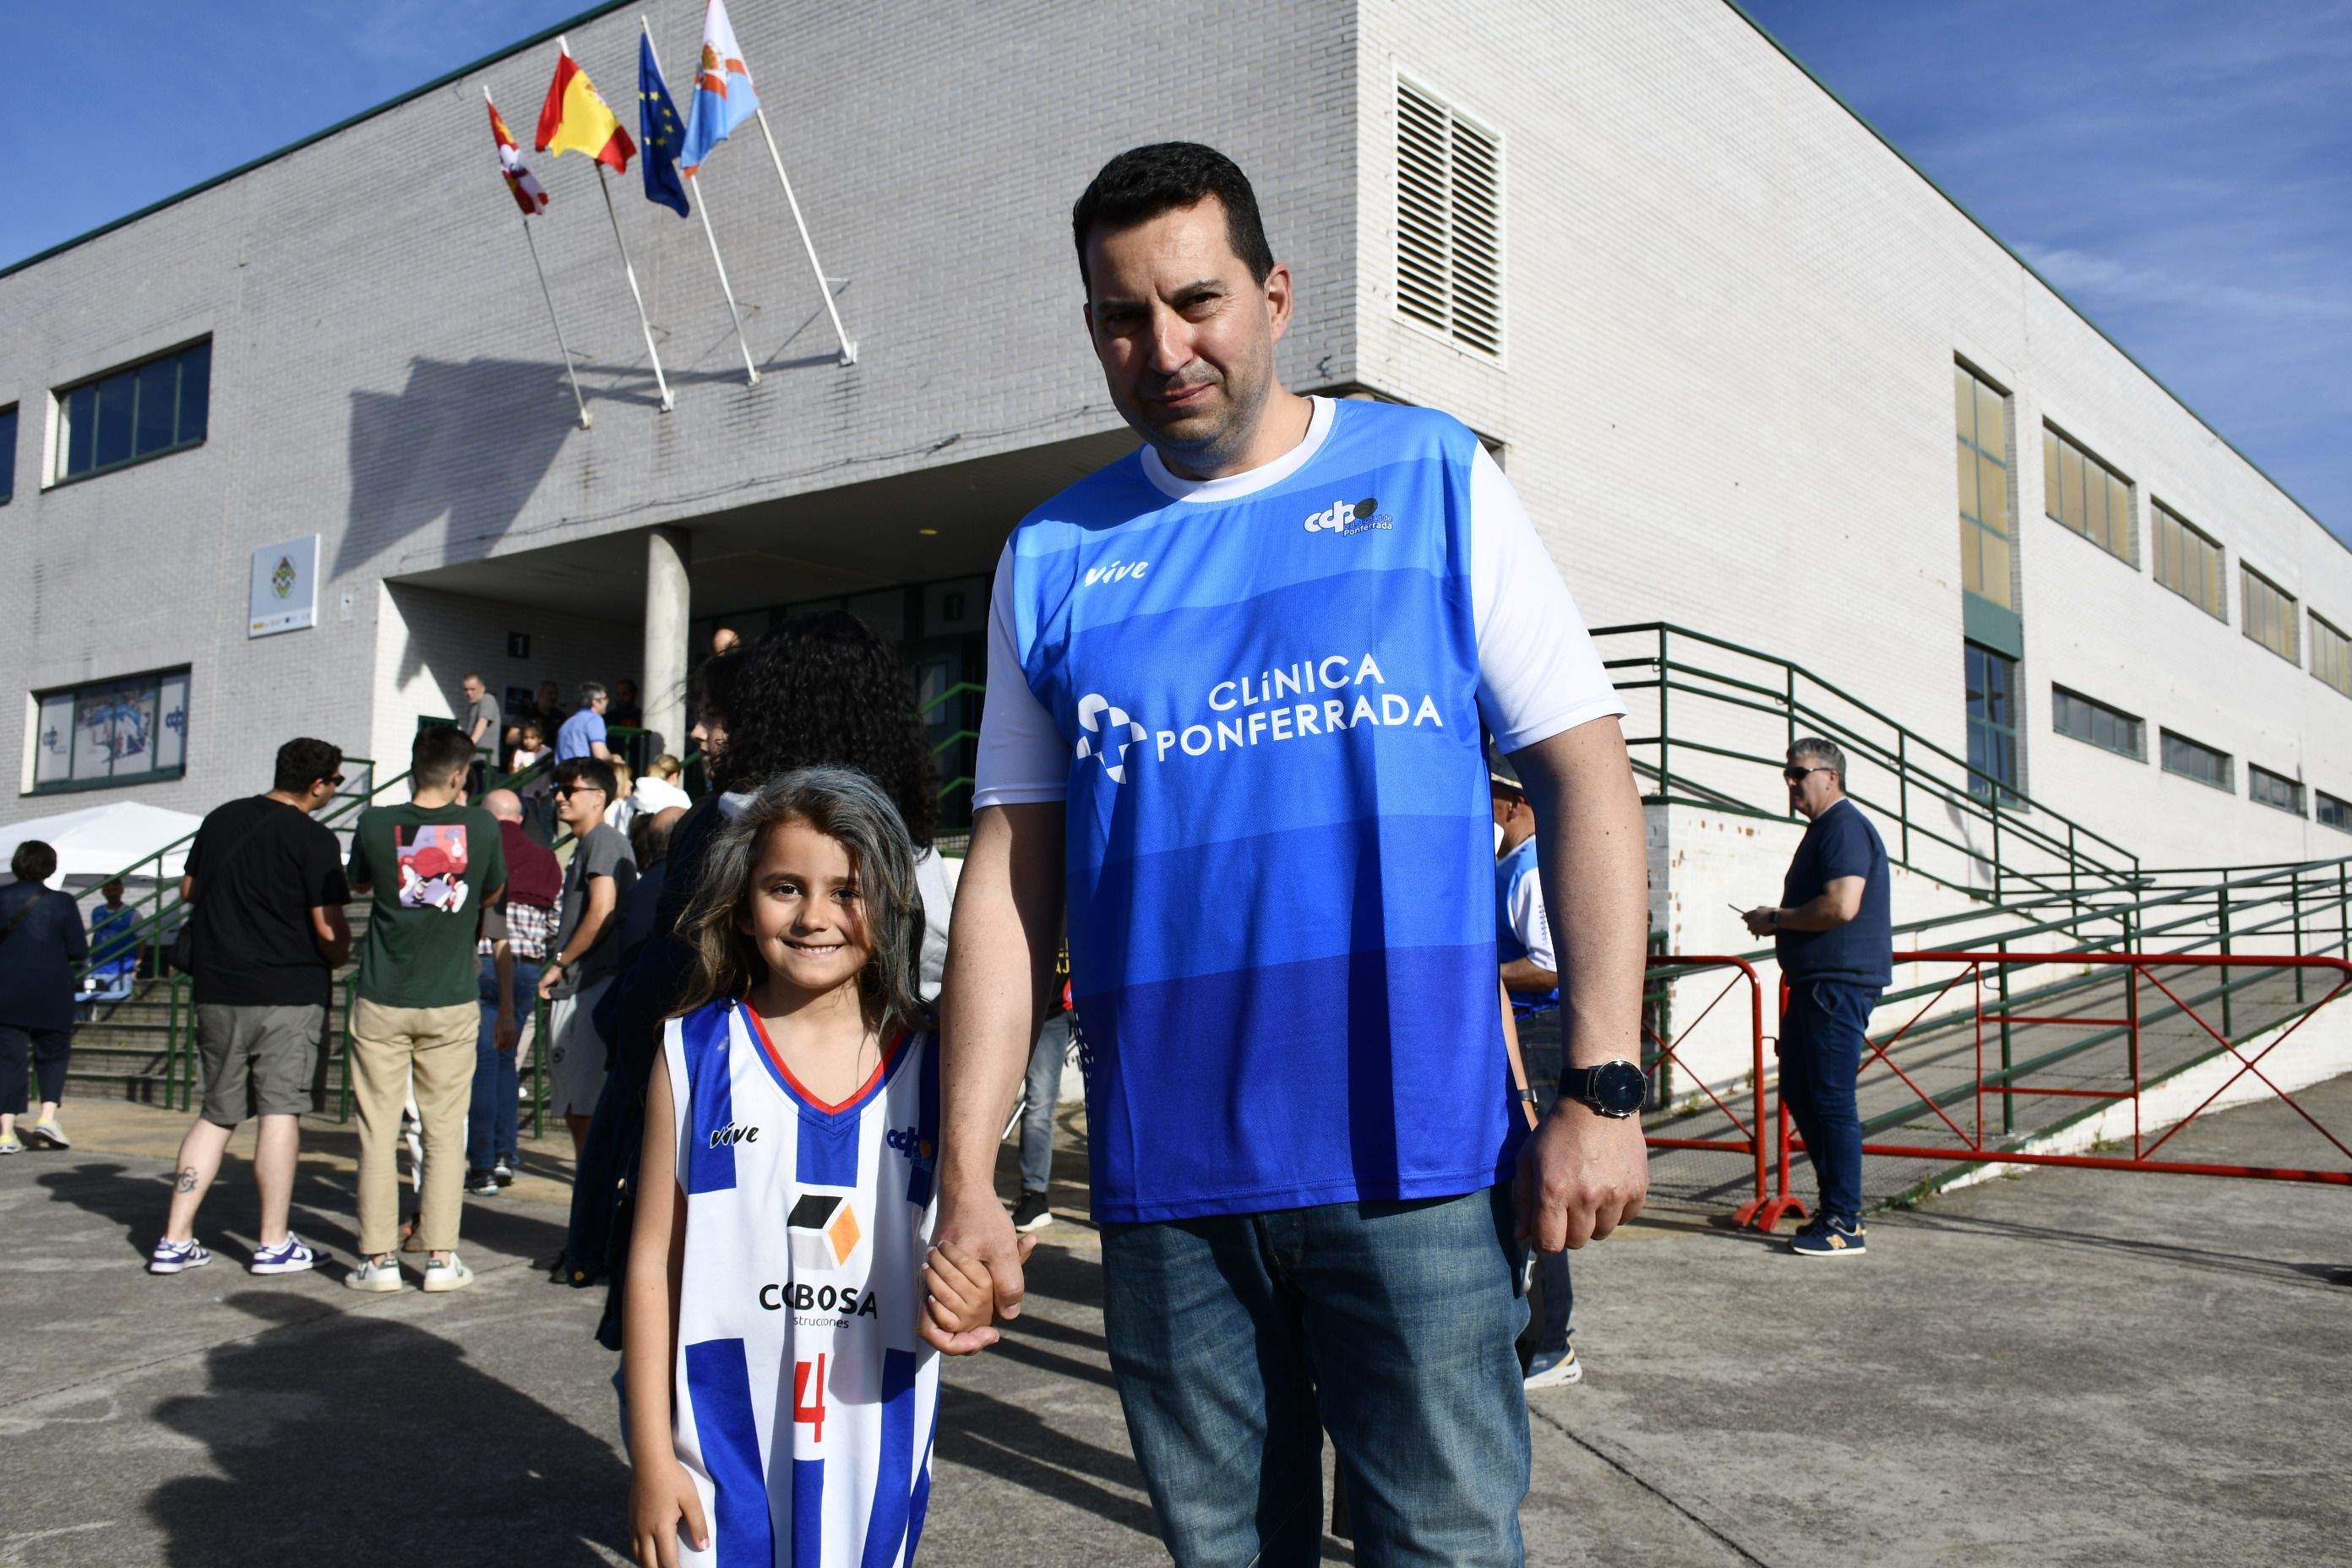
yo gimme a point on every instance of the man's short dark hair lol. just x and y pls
(304, 762)
(34, 861)
(1144, 181)
(594, 772)
(438, 755)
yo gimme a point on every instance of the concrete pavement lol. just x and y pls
(2065, 1367)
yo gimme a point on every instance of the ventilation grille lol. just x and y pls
(1449, 221)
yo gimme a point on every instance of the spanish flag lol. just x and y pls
(575, 118)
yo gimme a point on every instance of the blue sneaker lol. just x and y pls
(172, 1257)
(290, 1255)
(1554, 1369)
(1832, 1238)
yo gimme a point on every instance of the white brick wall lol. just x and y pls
(1732, 318)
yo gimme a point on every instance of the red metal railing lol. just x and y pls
(2130, 1030)
(1763, 1208)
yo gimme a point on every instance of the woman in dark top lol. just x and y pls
(41, 943)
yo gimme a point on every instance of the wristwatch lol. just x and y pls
(1614, 1089)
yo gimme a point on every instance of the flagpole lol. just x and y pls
(702, 211)
(603, 184)
(586, 420)
(848, 348)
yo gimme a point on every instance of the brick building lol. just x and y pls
(1713, 325)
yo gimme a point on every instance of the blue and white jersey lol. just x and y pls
(805, 1400)
(1260, 698)
(1521, 928)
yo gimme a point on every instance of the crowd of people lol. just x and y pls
(1288, 967)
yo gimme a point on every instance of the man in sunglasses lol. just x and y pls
(586, 953)
(1834, 936)
(269, 932)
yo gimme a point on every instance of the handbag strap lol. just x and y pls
(18, 918)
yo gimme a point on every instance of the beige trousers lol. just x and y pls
(434, 1046)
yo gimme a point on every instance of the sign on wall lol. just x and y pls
(285, 592)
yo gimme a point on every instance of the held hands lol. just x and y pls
(1760, 922)
(662, 1500)
(1580, 1176)
(960, 1298)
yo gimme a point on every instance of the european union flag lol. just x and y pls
(659, 132)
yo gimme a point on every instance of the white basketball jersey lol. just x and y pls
(805, 1400)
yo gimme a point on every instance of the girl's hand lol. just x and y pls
(662, 1498)
(960, 1294)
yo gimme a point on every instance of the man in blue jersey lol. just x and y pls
(1834, 933)
(1235, 688)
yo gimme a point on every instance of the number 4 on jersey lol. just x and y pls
(808, 1396)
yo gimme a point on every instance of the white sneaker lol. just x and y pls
(48, 1134)
(447, 1274)
(1555, 1369)
(291, 1256)
(174, 1256)
(374, 1274)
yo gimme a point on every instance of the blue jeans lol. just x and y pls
(491, 1130)
(1046, 1059)
(1822, 1048)
(1236, 1340)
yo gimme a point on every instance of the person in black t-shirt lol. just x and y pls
(266, 889)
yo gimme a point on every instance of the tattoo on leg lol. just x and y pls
(188, 1179)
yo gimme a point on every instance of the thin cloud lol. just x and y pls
(2093, 277)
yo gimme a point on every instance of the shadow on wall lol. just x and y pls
(466, 441)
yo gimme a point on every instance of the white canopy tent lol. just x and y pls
(99, 840)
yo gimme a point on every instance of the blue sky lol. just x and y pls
(2181, 170)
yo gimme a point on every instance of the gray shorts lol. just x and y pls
(575, 1052)
(257, 1060)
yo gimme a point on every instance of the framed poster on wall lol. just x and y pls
(284, 595)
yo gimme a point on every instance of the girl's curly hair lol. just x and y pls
(821, 690)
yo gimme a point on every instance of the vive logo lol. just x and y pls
(1350, 517)
(1109, 734)
(734, 1132)
(1114, 572)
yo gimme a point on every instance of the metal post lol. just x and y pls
(1903, 791)
(603, 184)
(1665, 742)
(2221, 903)
(1788, 707)
(2295, 894)
(2131, 1015)
(586, 419)
(2007, 1086)
(1996, 842)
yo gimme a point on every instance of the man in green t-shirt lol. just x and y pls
(431, 866)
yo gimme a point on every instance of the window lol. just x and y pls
(2112, 729)
(7, 454)
(139, 412)
(2082, 493)
(1981, 416)
(2192, 760)
(2187, 562)
(1449, 221)
(2270, 614)
(2331, 655)
(111, 732)
(1992, 721)
(2268, 788)
(2334, 813)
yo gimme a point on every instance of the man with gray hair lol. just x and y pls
(583, 734)
(1835, 937)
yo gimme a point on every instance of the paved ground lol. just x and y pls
(2068, 1367)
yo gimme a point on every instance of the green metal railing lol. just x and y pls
(1950, 821)
(962, 688)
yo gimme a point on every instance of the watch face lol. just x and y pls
(1620, 1087)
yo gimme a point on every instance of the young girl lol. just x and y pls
(780, 1401)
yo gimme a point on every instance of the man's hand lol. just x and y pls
(978, 1228)
(1580, 1176)
(1759, 920)
(547, 979)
